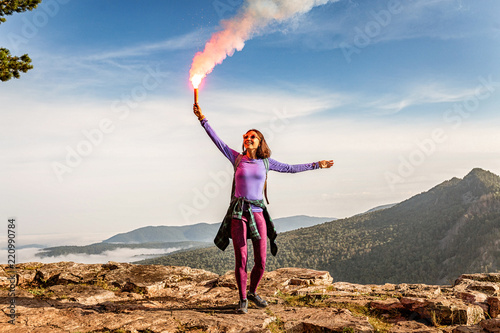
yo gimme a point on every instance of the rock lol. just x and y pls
(387, 305)
(418, 290)
(227, 280)
(64, 273)
(494, 306)
(82, 294)
(444, 312)
(486, 287)
(352, 287)
(26, 272)
(4, 278)
(413, 304)
(300, 276)
(485, 283)
(485, 277)
(73, 297)
(153, 280)
(325, 320)
(472, 297)
(491, 325)
(388, 287)
(468, 329)
(413, 327)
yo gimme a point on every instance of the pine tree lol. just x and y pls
(11, 66)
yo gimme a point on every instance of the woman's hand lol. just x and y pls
(197, 112)
(325, 164)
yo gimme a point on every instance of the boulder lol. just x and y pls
(300, 277)
(491, 325)
(494, 306)
(473, 297)
(468, 329)
(387, 305)
(307, 320)
(485, 277)
(413, 327)
(484, 283)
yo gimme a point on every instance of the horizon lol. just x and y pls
(116, 232)
(30, 250)
(402, 96)
(85, 241)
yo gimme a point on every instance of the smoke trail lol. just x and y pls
(252, 18)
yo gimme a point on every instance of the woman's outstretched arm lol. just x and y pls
(228, 152)
(293, 168)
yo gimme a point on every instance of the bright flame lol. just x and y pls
(196, 80)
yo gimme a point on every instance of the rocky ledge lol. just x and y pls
(119, 297)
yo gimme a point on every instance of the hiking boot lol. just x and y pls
(257, 300)
(243, 306)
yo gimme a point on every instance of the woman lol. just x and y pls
(247, 216)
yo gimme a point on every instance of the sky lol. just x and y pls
(100, 138)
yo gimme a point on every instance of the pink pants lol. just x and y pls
(239, 236)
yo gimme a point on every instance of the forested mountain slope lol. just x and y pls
(430, 238)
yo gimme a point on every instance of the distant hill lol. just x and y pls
(430, 238)
(203, 232)
(380, 208)
(299, 221)
(200, 232)
(99, 248)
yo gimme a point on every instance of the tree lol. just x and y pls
(10, 66)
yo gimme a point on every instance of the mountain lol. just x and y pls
(430, 238)
(380, 208)
(200, 232)
(299, 221)
(203, 232)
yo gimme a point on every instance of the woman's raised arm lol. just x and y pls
(228, 152)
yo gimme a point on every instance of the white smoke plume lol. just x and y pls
(252, 18)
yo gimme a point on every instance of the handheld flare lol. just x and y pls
(196, 81)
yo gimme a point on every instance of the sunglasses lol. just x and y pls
(250, 136)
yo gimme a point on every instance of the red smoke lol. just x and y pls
(254, 16)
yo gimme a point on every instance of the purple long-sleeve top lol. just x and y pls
(250, 175)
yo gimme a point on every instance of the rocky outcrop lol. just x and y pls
(120, 297)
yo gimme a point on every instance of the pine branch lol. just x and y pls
(11, 66)
(16, 6)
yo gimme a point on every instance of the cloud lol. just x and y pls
(260, 102)
(376, 22)
(119, 255)
(422, 94)
(182, 42)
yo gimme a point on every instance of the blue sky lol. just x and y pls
(100, 137)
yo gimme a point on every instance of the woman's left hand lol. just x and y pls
(325, 164)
